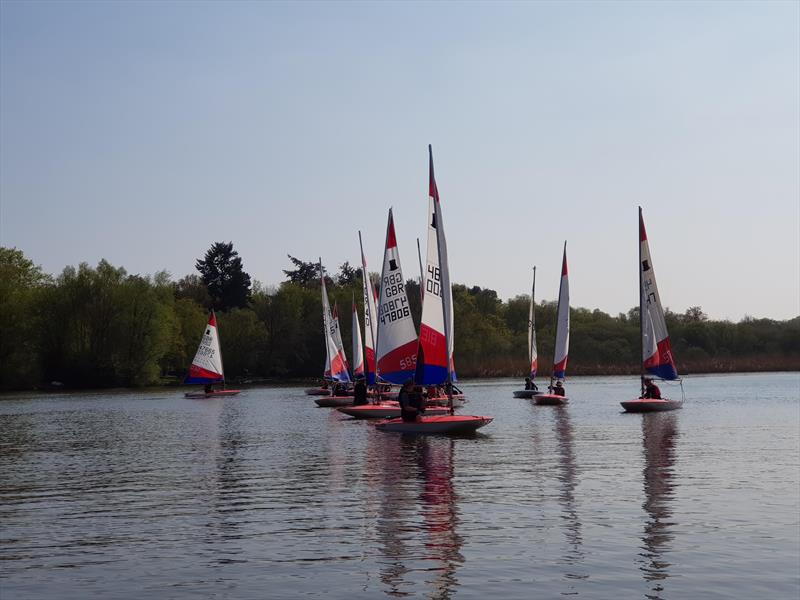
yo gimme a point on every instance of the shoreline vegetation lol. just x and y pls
(99, 327)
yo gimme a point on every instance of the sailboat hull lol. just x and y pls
(435, 424)
(333, 401)
(383, 411)
(550, 399)
(214, 394)
(525, 393)
(651, 405)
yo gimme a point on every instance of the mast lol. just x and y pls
(532, 325)
(421, 276)
(641, 310)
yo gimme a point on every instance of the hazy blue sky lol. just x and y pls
(142, 132)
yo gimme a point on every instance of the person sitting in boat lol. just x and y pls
(338, 390)
(411, 402)
(651, 390)
(530, 385)
(558, 389)
(360, 393)
(432, 392)
(208, 388)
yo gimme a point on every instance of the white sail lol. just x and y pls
(358, 355)
(206, 366)
(370, 320)
(562, 323)
(533, 355)
(657, 356)
(335, 363)
(397, 338)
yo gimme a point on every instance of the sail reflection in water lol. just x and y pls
(417, 520)
(568, 477)
(659, 435)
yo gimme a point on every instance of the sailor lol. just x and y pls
(651, 390)
(360, 393)
(558, 390)
(411, 403)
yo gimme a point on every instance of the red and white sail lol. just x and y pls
(562, 323)
(397, 338)
(657, 356)
(358, 355)
(370, 321)
(336, 333)
(434, 356)
(533, 354)
(335, 363)
(206, 366)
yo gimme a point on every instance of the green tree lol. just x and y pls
(227, 282)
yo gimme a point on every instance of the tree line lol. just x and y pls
(101, 326)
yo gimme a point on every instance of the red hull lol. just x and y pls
(550, 399)
(383, 411)
(442, 424)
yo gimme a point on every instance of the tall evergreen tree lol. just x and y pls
(226, 281)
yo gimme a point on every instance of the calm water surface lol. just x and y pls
(149, 495)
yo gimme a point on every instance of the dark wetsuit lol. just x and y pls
(411, 405)
(360, 393)
(558, 390)
(651, 391)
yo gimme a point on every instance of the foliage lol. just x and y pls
(100, 326)
(226, 281)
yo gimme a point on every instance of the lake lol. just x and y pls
(145, 494)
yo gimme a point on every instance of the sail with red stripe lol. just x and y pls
(657, 356)
(358, 354)
(434, 355)
(396, 347)
(335, 363)
(562, 323)
(533, 354)
(206, 366)
(336, 335)
(370, 322)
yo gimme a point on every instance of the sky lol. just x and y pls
(143, 132)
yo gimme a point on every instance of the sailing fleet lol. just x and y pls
(391, 352)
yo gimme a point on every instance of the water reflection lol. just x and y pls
(567, 476)
(435, 460)
(418, 516)
(659, 434)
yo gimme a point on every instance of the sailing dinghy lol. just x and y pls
(433, 365)
(206, 367)
(533, 356)
(335, 362)
(657, 359)
(562, 341)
